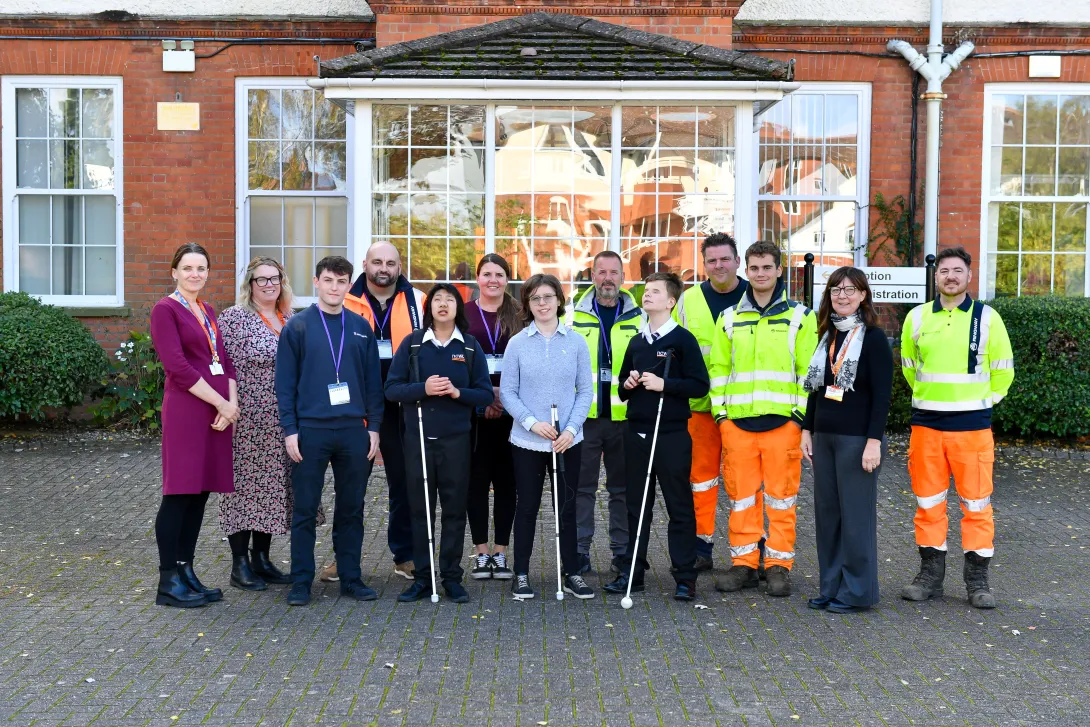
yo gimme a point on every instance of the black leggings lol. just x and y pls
(177, 527)
(240, 541)
(491, 467)
(531, 470)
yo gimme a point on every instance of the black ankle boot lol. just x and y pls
(210, 594)
(174, 591)
(242, 576)
(263, 567)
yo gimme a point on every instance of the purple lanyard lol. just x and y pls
(337, 357)
(605, 333)
(492, 340)
(382, 326)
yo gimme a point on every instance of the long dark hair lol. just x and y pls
(537, 281)
(856, 277)
(509, 311)
(460, 319)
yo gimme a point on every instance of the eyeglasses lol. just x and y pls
(846, 291)
(535, 299)
(266, 282)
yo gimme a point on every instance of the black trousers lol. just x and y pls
(346, 450)
(846, 519)
(492, 468)
(399, 528)
(670, 470)
(448, 481)
(531, 468)
(177, 527)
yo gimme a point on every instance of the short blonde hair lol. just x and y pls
(245, 292)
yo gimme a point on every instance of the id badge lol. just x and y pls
(216, 368)
(385, 349)
(834, 392)
(495, 363)
(338, 394)
(605, 376)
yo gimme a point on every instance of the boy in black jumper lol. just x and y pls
(645, 360)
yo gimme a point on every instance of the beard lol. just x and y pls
(382, 278)
(608, 292)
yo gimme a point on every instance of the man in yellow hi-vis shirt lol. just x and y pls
(957, 358)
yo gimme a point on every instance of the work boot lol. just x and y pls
(175, 591)
(779, 581)
(976, 581)
(737, 578)
(928, 582)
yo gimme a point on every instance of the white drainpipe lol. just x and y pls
(934, 70)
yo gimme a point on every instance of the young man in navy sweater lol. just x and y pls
(661, 340)
(329, 391)
(448, 381)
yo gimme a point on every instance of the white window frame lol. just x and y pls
(10, 194)
(986, 198)
(242, 187)
(862, 167)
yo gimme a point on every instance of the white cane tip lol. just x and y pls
(560, 595)
(626, 603)
(435, 598)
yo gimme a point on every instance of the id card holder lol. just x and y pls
(385, 349)
(338, 394)
(495, 363)
(834, 392)
(216, 368)
(605, 376)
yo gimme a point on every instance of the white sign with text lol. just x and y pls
(887, 284)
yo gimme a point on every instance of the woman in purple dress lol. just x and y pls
(200, 405)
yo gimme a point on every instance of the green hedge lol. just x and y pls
(47, 357)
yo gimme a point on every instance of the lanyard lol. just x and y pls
(337, 357)
(492, 340)
(280, 317)
(602, 328)
(839, 363)
(207, 325)
(374, 313)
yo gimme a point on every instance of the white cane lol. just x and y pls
(556, 514)
(427, 490)
(626, 602)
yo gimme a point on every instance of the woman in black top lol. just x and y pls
(849, 380)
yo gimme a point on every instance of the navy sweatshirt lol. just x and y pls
(304, 371)
(444, 416)
(688, 380)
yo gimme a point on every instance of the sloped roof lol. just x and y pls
(555, 46)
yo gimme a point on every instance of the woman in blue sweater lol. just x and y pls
(441, 370)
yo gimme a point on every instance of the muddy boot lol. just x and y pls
(737, 578)
(779, 581)
(928, 582)
(976, 581)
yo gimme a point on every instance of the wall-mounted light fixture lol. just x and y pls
(183, 60)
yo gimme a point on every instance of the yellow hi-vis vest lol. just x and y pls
(585, 322)
(759, 360)
(693, 314)
(956, 360)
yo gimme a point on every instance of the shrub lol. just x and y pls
(47, 357)
(1051, 341)
(132, 391)
(900, 405)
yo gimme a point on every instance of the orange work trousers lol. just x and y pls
(750, 458)
(704, 475)
(933, 457)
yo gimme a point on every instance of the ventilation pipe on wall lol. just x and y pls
(934, 69)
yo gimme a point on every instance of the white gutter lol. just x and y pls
(935, 70)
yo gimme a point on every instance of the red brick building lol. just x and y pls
(545, 139)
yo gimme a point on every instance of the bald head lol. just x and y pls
(382, 266)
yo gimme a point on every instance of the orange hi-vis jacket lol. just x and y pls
(407, 312)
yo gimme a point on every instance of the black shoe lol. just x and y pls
(836, 606)
(500, 569)
(737, 578)
(418, 591)
(482, 567)
(210, 594)
(819, 603)
(575, 585)
(521, 587)
(928, 582)
(584, 564)
(299, 595)
(358, 590)
(616, 565)
(175, 591)
(620, 585)
(702, 563)
(779, 581)
(264, 568)
(243, 576)
(685, 591)
(455, 592)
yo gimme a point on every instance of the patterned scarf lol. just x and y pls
(845, 378)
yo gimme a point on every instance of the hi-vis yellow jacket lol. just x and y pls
(694, 315)
(956, 360)
(586, 323)
(759, 360)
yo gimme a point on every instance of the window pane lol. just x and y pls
(67, 270)
(263, 114)
(101, 271)
(33, 220)
(390, 169)
(807, 116)
(1074, 120)
(98, 113)
(1007, 117)
(296, 165)
(67, 221)
(299, 264)
(838, 227)
(715, 126)
(427, 258)
(842, 119)
(330, 164)
(715, 171)
(1006, 233)
(463, 252)
(466, 215)
(64, 164)
(1037, 227)
(677, 126)
(428, 169)
(277, 253)
(467, 125)
(1074, 168)
(34, 270)
(64, 112)
(390, 214)
(1040, 119)
(265, 219)
(264, 172)
(1070, 275)
(330, 120)
(331, 222)
(297, 121)
(839, 173)
(428, 126)
(1006, 170)
(428, 215)
(98, 165)
(592, 127)
(1036, 274)
(391, 125)
(31, 164)
(30, 112)
(100, 219)
(298, 222)
(1004, 275)
(638, 126)
(1040, 171)
(1070, 227)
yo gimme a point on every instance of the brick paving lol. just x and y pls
(81, 642)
